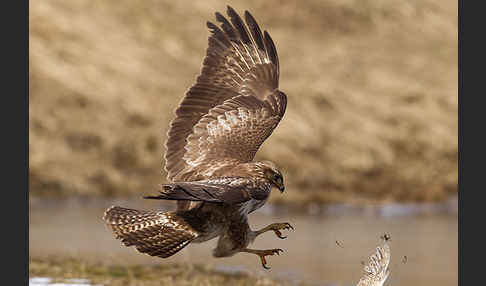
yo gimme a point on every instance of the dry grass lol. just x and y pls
(147, 275)
(372, 88)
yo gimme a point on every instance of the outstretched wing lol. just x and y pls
(221, 190)
(377, 269)
(234, 104)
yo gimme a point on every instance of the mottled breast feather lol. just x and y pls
(234, 104)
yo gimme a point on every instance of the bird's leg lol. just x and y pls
(275, 227)
(263, 253)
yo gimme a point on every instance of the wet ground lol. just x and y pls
(47, 281)
(327, 247)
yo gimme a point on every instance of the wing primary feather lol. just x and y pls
(232, 35)
(220, 37)
(227, 27)
(239, 25)
(244, 34)
(255, 32)
(272, 51)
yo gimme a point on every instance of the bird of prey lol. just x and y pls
(230, 110)
(377, 270)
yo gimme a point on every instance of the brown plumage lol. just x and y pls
(155, 233)
(220, 124)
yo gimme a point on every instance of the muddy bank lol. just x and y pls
(66, 271)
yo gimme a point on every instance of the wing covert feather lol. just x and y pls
(235, 129)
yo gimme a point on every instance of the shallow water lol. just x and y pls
(327, 246)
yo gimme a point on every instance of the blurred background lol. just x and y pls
(368, 143)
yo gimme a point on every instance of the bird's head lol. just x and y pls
(273, 175)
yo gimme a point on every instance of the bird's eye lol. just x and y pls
(277, 178)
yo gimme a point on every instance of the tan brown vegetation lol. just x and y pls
(372, 89)
(146, 275)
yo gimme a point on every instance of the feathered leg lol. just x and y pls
(239, 236)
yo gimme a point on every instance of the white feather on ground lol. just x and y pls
(377, 270)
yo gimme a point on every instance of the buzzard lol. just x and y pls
(230, 110)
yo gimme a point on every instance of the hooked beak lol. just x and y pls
(281, 188)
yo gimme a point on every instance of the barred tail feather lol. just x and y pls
(154, 233)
